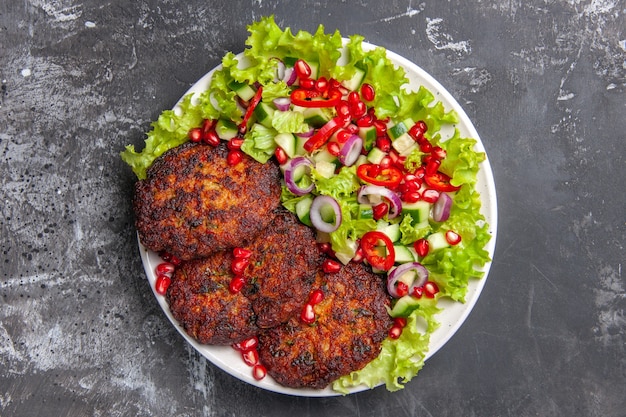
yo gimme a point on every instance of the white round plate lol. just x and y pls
(453, 314)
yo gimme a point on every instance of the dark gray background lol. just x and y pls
(543, 81)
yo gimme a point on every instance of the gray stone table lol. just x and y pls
(544, 83)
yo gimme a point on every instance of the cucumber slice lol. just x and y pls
(404, 144)
(264, 114)
(404, 306)
(317, 116)
(324, 155)
(354, 82)
(243, 90)
(325, 168)
(303, 210)
(419, 212)
(391, 230)
(287, 142)
(366, 211)
(226, 129)
(368, 134)
(437, 241)
(375, 156)
(404, 255)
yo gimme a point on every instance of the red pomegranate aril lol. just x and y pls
(343, 136)
(208, 124)
(259, 372)
(418, 292)
(411, 196)
(453, 238)
(430, 195)
(162, 284)
(395, 332)
(402, 289)
(432, 166)
(321, 84)
(422, 247)
(250, 357)
(281, 156)
(439, 153)
(416, 133)
(234, 144)
(165, 268)
(426, 147)
(333, 148)
(330, 266)
(316, 297)
(242, 253)
(175, 260)
(381, 127)
(354, 98)
(399, 321)
(195, 134)
(211, 138)
(380, 210)
(359, 255)
(234, 157)
(412, 185)
(343, 109)
(365, 121)
(430, 289)
(383, 143)
(358, 110)
(238, 265)
(352, 128)
(303, 70)
(367, 92)
(421, 125)
(326, 247)
(386, 162)
(236, 284)
(307, 83)
(307, 315)
(247, 344)
(420, 172)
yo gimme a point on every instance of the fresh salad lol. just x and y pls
(364, 163)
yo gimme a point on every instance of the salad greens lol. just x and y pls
(451, 266)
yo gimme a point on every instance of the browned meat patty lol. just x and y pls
(200, 300)
(351, 323)
(285, 259)
(193, 204)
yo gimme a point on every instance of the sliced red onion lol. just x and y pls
(421, 276)
(282, 103)
(351, 150)
(395, 204)
(290, 76)
(441, 208)
(320, 206)
(292, 169)
(307, 134)
(280, 70)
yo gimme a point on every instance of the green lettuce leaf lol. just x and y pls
(259, 142)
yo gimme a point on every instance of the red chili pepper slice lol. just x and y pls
(369, 244)
(323, 134)
(389, 176)
(313, 98)
(440, 182)
(254, 101)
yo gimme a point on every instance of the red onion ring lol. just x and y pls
(393, 277)
(320, 203)
(441, 208)
(395, 204)
(307, 134)
(290, 76)
(351, 150)
(282, 103)
(290, 171)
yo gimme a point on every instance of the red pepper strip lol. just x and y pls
(369, 244)
(313, 98)
(254, 101)
(388, 177)
(324, 133)
(440, 182)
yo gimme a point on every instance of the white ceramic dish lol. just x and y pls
(453, 314)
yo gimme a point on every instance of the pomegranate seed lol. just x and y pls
(162, 284)
(426, 147)
(343, 109)
(234, 143)
(365, 121)
(343, 136)
(411, 196)
(281, 155)
(238, 265)
(386, 162)
(453, 238)
(307, 83)
(353, 98)
(208, 124)
(308, 314)
(439, 153)
(358, 110)
(165, 268)
(420, 172)
(399, 321)
(234, 157)
(381, 127)
(211, 138)
(418, 291)
(247, 344)
(250, 357)
(432, 166)
(326, 248)
(395, 332)
(422, 247)
(321, 84)
(359, 255)
(383, 143)
(195, 134)
(175, 260)
(430, 289)
(242, 253)
(236, 284)
(430, 195)
(421, 125)
(330, 266)
(259, 372)
(402, 289)
(333, 148)
(303, 70)
(316, 297)
(380, 210)
(367, 92)
(412, 185)
(354, 129)
(417, 133)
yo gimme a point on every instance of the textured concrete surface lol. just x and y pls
(544, 83)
